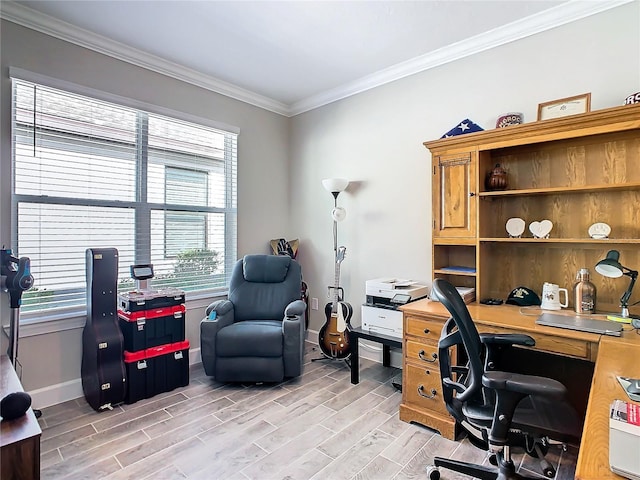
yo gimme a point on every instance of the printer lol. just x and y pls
(392, 292)
(380, 313)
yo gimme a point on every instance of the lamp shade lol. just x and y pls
(335, 185)
(610, 266)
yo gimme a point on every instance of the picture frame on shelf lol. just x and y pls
(564, 107)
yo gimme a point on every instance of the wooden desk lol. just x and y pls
(616, 356)
(612, 356)
(19, 438)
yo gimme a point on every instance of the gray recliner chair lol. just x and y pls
(257, 335)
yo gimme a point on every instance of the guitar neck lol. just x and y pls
(336, 288)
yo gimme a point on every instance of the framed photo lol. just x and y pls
(564, 107)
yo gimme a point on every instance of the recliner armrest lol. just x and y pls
(220, 306)
(295, 309)
(209, 328)
(501, 339)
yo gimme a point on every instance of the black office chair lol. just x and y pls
(499, 410)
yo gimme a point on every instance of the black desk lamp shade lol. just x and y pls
(611, 267)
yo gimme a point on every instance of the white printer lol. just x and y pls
(384, 295)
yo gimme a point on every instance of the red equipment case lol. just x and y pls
(149, 299)
(149, 328)
(156, 370)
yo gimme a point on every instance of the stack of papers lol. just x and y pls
(468, 294)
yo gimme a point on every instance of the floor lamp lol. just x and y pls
(335, 186)
(333, 336)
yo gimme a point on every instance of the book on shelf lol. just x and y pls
(468, 294)
(458, 269)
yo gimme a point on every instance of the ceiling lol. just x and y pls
(292, 56)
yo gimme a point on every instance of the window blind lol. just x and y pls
(89, 174)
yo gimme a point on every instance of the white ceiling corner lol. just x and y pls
(523, 26)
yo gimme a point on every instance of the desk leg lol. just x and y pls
(386, 355)
(355, 360)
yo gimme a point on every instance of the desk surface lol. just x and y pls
(612, 356)
(21, 428)
(615, 357)
(19, 438)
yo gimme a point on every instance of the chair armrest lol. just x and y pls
(508, 339)
(510, 389)
(524, 384)
(496, 343)
(295, 309)
(220, 306)
(209, 328)
(293, 332)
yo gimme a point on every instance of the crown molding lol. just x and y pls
(554, 17)
(40, 22)
(560, 15)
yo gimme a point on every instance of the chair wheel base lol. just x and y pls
(433, 473)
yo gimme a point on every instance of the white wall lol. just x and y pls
(263, 165)
(375, 139)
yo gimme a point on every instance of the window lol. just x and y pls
(185, 229)
(91, 174)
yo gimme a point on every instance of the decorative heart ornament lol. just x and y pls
(515, 227)
(541, 229)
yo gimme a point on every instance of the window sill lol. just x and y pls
(71, 320)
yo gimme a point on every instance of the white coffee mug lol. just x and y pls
(551, 297)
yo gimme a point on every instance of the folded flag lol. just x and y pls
(465, 126)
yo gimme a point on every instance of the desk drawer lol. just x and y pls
(424, 388)
(560, 345)
(423, 328)
(423, 355)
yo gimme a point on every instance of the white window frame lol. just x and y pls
(42, 321)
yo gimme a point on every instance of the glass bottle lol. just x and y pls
(584, 293)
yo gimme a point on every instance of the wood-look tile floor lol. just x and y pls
(318, 426)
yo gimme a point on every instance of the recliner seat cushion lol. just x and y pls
(239, 339)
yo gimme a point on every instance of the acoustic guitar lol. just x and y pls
(334, 334)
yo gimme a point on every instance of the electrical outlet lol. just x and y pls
(314, 304)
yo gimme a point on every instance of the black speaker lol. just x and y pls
(14, 405)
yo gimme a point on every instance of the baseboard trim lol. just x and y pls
(54, 394)
(65, 391)
(72, 389)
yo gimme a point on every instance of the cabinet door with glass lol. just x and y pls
(454, 195)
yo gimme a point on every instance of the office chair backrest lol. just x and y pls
(469, 386)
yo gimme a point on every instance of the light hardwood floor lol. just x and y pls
(318, 426)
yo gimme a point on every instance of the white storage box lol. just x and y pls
(624, 439)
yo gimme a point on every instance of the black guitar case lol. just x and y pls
(103, 368)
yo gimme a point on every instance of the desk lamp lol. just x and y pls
(611, 267)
